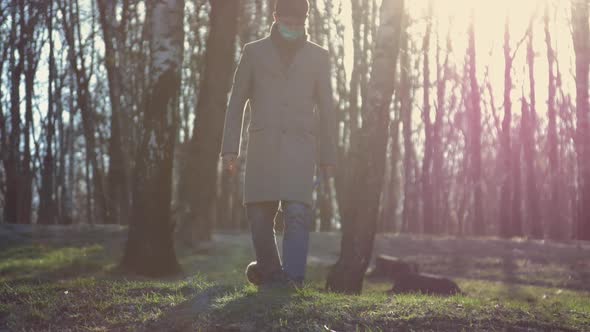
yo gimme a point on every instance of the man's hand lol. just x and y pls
(230, 163)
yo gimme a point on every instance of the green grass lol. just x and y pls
(68, 287)
(41, 261)
(490, 306)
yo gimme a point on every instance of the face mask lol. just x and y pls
(289, 34)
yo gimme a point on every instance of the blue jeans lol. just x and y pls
(298, 221)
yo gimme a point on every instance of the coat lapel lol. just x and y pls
(275, 58)
(297, 60)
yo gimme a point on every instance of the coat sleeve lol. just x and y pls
(240, 93)
(327, 113)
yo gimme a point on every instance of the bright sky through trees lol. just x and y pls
(490, 16)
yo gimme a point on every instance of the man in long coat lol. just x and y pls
(284, 77)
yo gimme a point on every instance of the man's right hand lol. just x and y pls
(230, 163)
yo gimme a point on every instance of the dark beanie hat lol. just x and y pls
(294, 8)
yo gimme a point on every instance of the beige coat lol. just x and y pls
(288, 135)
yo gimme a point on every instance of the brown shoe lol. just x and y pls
(258, 276)
(253, 273)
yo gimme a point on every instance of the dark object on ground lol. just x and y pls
(424, 283)
(390, 267)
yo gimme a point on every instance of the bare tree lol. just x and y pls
(77, 58)
(201, 163)
(47, 202)
(581, 37)
(427, 194)
(516, 206)
(443, 75)
(529, 124)
(509, 223)
(475, 131)
(554, 219)
(360, 221)
(150, 245)
(410, 208)
(4, 48)
(114, 35)
(12, 163)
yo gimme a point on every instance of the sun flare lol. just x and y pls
(489, 18)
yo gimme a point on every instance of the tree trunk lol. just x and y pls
(351, 123)
(427, 196)
(554, 207)
(12, 164)
(478, 222)
(324, 201)
(516, 207)
(201, 164)
(505, 151)
(391, 206)
(5, 47)
(581, 37)
(410, 221)
(442, 76)
(119, 200)
(529, 124)
(47, 203)
(360, 219)
(76, 58)
(27, 39)
(150, 245)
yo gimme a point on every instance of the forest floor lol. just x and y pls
(60, 279)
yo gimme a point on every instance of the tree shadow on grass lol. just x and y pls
(224, 308)
(182, 316)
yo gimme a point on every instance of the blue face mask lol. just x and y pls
(290, 34)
